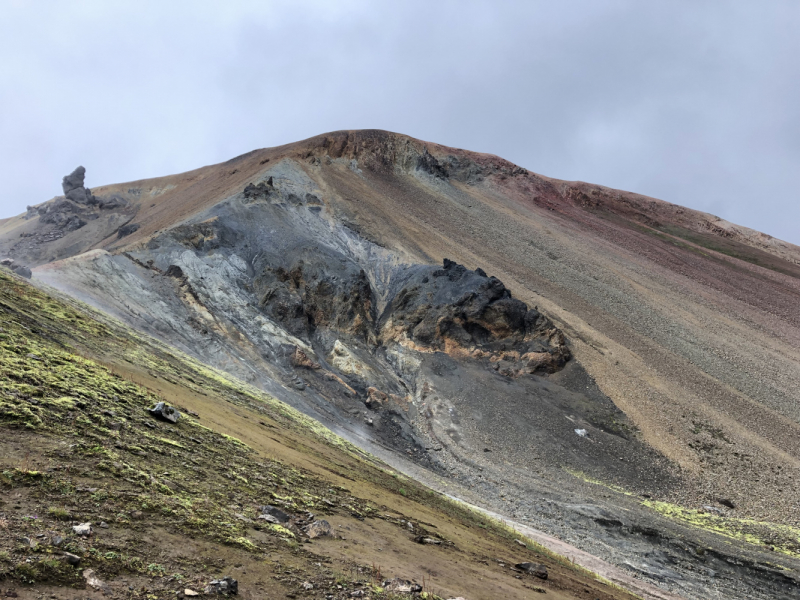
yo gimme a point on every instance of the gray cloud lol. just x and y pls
(694, 102)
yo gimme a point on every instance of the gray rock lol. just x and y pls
(72, 559)
(83, 529)
(166, 412)
(534, 569)
(74, 190)
(319, 528)
(269, 519)
(111, 202)
(226, 585)
(74, 180)
(22, 271)
(276, 513)
(127, 229)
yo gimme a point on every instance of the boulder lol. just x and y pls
(534, 569)
(320, 528)
(276, 513)
(21, 270)
(127, 230)
(226, 585)
(174, 271)
(83, 529)
(164, 411)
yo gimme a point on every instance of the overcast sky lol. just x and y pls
(694, 102)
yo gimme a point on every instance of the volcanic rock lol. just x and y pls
(165, 412)
(276, 513)
(534, 569)
(226, 585)
(74, 190)
(320, 528)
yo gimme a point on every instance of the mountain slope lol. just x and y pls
(622, 339)
(176, 505)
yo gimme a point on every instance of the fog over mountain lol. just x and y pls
(691, 102)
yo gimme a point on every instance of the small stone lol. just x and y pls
(725, 502)
(103, 525)
(188, 592)
(83, 529)
(307, 585)
(521, 543)
(72, 559)
(357, 594)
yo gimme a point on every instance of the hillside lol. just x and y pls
(609, 369)
(176, 505)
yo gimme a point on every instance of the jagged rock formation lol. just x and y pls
(74, 189)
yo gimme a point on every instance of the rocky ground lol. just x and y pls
(628, 396)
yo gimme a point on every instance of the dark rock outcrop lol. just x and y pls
(456, 310)
(17, 268)
(74, 189)
(428, 163)
(259, 191)
(63, 213)
(127, 230)
(279, 515)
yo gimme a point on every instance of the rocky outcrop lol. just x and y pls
(259, 191)
(17, 268)
(74, 189)
(128, 229)
(311, 295)
(468, 313)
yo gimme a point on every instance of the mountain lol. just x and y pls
(606, 368)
